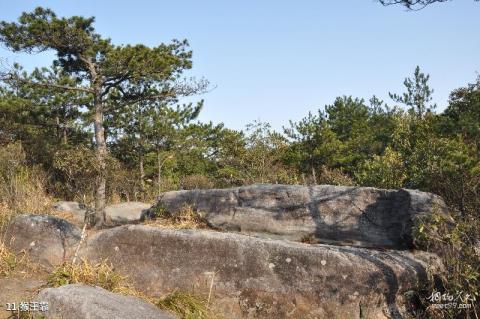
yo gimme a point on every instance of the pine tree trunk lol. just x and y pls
(159, 177)
(101, 155)
(64, 129)
(142, 174)
(64, 136)
(57, 126)
(314, 176)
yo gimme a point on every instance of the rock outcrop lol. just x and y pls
(47, 239)
(259, 269)
(358, 216)
(81, 302)
(262, 278)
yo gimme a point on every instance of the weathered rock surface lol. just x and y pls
(117, 214)
(125, 213)
(87, 302)
(358, 216)
(47, 239)
(76, 209)
(262, 278)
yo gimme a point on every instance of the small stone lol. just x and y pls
(288, 260)
(271, 266)
(323, 262)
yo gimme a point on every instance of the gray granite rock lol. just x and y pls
(126, 213)
(87, 302)
(358, 216)
(262, 278)
(48, 240)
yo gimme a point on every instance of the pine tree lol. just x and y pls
(125, 73)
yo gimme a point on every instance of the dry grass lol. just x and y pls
(186, 306)
(11, 262)
(8, 260)
(100, 274)
(22, 188)
(103, 274)
(309, 239)
(186, 218)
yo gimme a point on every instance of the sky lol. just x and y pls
(276, 60)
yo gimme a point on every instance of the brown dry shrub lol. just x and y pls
(22, 188)
(186, 218)
(334, 176)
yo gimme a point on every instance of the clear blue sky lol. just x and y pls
(277, 60)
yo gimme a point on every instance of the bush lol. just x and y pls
(334, 177)
(76, 170)
(457, 242)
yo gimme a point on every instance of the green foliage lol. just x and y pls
(456, 241)
(384, 171)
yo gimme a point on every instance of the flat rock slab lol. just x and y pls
(356, 216)
(117, 214)
(255, 277)
(48, 240)
(87, 302)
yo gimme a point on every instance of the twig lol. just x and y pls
(83, 236)
(211, 287)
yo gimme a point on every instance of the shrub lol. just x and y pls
(334, 177)
(76, 170)
(456, 241)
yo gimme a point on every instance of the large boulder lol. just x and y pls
(358, 216)
(87, 302)
(252, 277)
(49, 240)
(126, 213)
